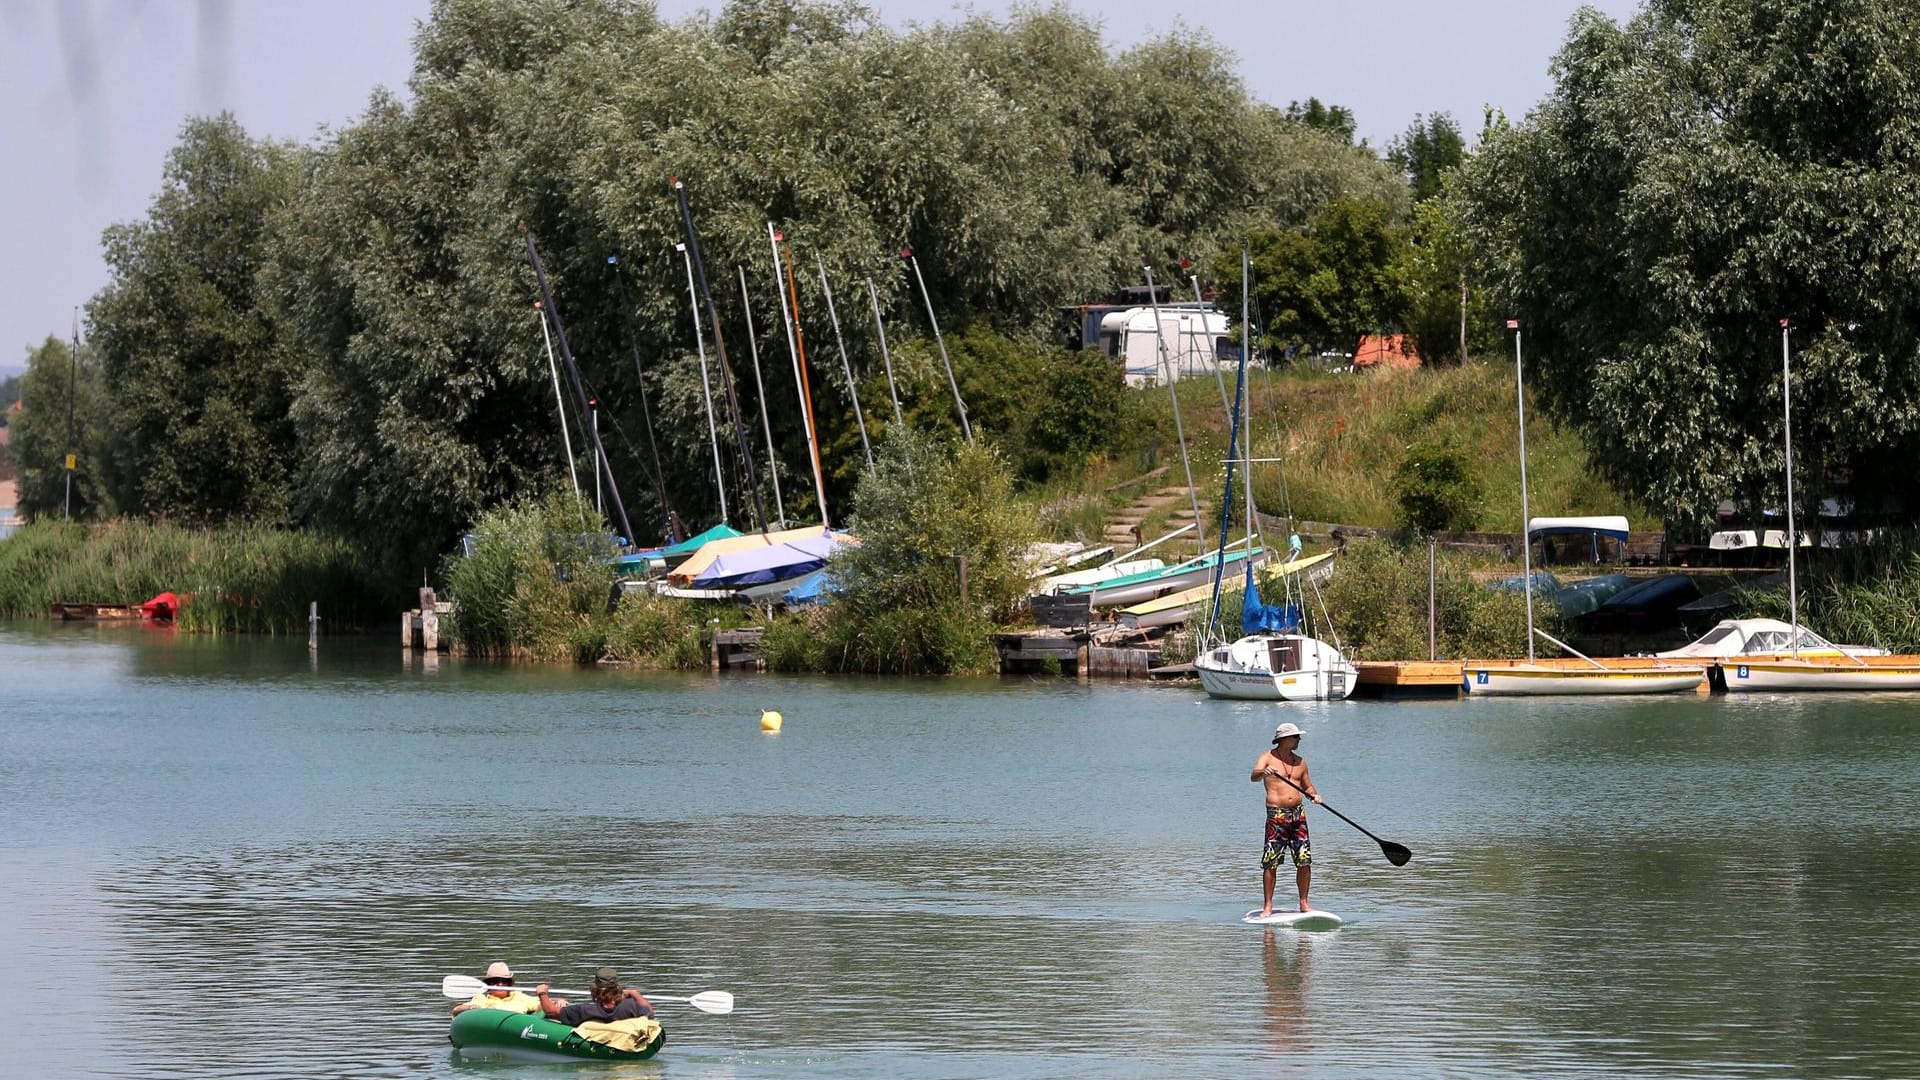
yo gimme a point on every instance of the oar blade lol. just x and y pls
(1396, 854)
(712, 1001)
(461, 987)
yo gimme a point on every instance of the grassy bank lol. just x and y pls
(240, 579)
(1339, 439)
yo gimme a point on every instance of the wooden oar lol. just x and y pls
(1397, 854)
(707, 1001)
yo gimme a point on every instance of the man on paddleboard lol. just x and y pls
(1286, 814)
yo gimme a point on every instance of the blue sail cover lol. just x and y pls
(1259, 618)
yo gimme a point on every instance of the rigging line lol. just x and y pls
(720, 351)
(558, 401)
(573, 373)
(706, 387)
(753, 350)
(1173, 389)
(790, 322)
(655, 474)
(853, 388)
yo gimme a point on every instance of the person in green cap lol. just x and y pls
(611, 1002)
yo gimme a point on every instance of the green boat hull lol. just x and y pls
(496, 1033)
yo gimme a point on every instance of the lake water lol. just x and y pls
(224, 858)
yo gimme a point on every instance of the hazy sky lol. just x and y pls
(95, 91)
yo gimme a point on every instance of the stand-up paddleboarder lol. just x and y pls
(1286, 814)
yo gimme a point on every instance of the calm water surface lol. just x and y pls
(220, 858)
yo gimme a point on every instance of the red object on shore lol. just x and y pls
(161, 608)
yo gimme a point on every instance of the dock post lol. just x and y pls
(313, 625)
(406, 630)
(429, 620)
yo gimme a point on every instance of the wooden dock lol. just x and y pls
(1408, 679)
(736, 650)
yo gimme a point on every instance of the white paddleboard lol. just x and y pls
(1297, 920)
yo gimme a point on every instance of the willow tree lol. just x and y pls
(1698, 174)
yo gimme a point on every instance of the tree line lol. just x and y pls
(342, 334)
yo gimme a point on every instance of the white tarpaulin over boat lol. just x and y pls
(1613, 525)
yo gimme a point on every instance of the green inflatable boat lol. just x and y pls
(501, 1035)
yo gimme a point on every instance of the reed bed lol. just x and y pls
(234, 579)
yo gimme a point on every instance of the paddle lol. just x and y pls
(708, 1001)
(1396, 854)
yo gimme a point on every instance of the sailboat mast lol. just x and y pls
(753, 351)
(1226, 500)
(706, 387)
(1793, 538)
(559, 402)
(853, 391)
(1173, 390)
(1201, 302)
(720, 357)
(796, 348)
(927, 298)
(656, 475)
(1526, 537)
(885, 357)
(573, 375)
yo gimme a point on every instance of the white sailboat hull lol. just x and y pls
(1554, 680)
(1749, 673)
(1276, 667)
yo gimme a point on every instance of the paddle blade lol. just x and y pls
(712, 1001)
(462, 987)
(1395, 853)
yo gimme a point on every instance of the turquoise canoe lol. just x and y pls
(510, 1036)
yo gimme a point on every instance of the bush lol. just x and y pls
(538, 572)
(659, 631)
(926, 508)
(1377, 599)
(1435, 489)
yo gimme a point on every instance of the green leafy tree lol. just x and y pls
(62, 411)
(930, 512)
(1323, 288)
(199, 371)
(1426, 152)
(1698, 174)
(1335, 120)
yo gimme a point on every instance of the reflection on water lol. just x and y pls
(249, 861)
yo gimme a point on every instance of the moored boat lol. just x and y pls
(1821, 672)
(1557, 676)
(511, 1036)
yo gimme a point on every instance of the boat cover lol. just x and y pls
(697, 563)
(1261, 618)
(756, 566)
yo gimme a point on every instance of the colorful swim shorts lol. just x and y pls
(1286, 833)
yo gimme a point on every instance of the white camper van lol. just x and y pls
(1197, 341)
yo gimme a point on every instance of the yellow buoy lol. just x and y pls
(770, 721)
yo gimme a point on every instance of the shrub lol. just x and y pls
(1377, 599)
(1435, 489)
(537, 573)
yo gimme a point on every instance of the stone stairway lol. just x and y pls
(1123, 530)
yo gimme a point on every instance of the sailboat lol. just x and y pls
(1271, 661)
(1803, 670)
(1558, 676)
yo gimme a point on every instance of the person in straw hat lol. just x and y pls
(499, 993)
(1285, 775)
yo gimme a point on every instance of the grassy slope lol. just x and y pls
(1340, 436)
